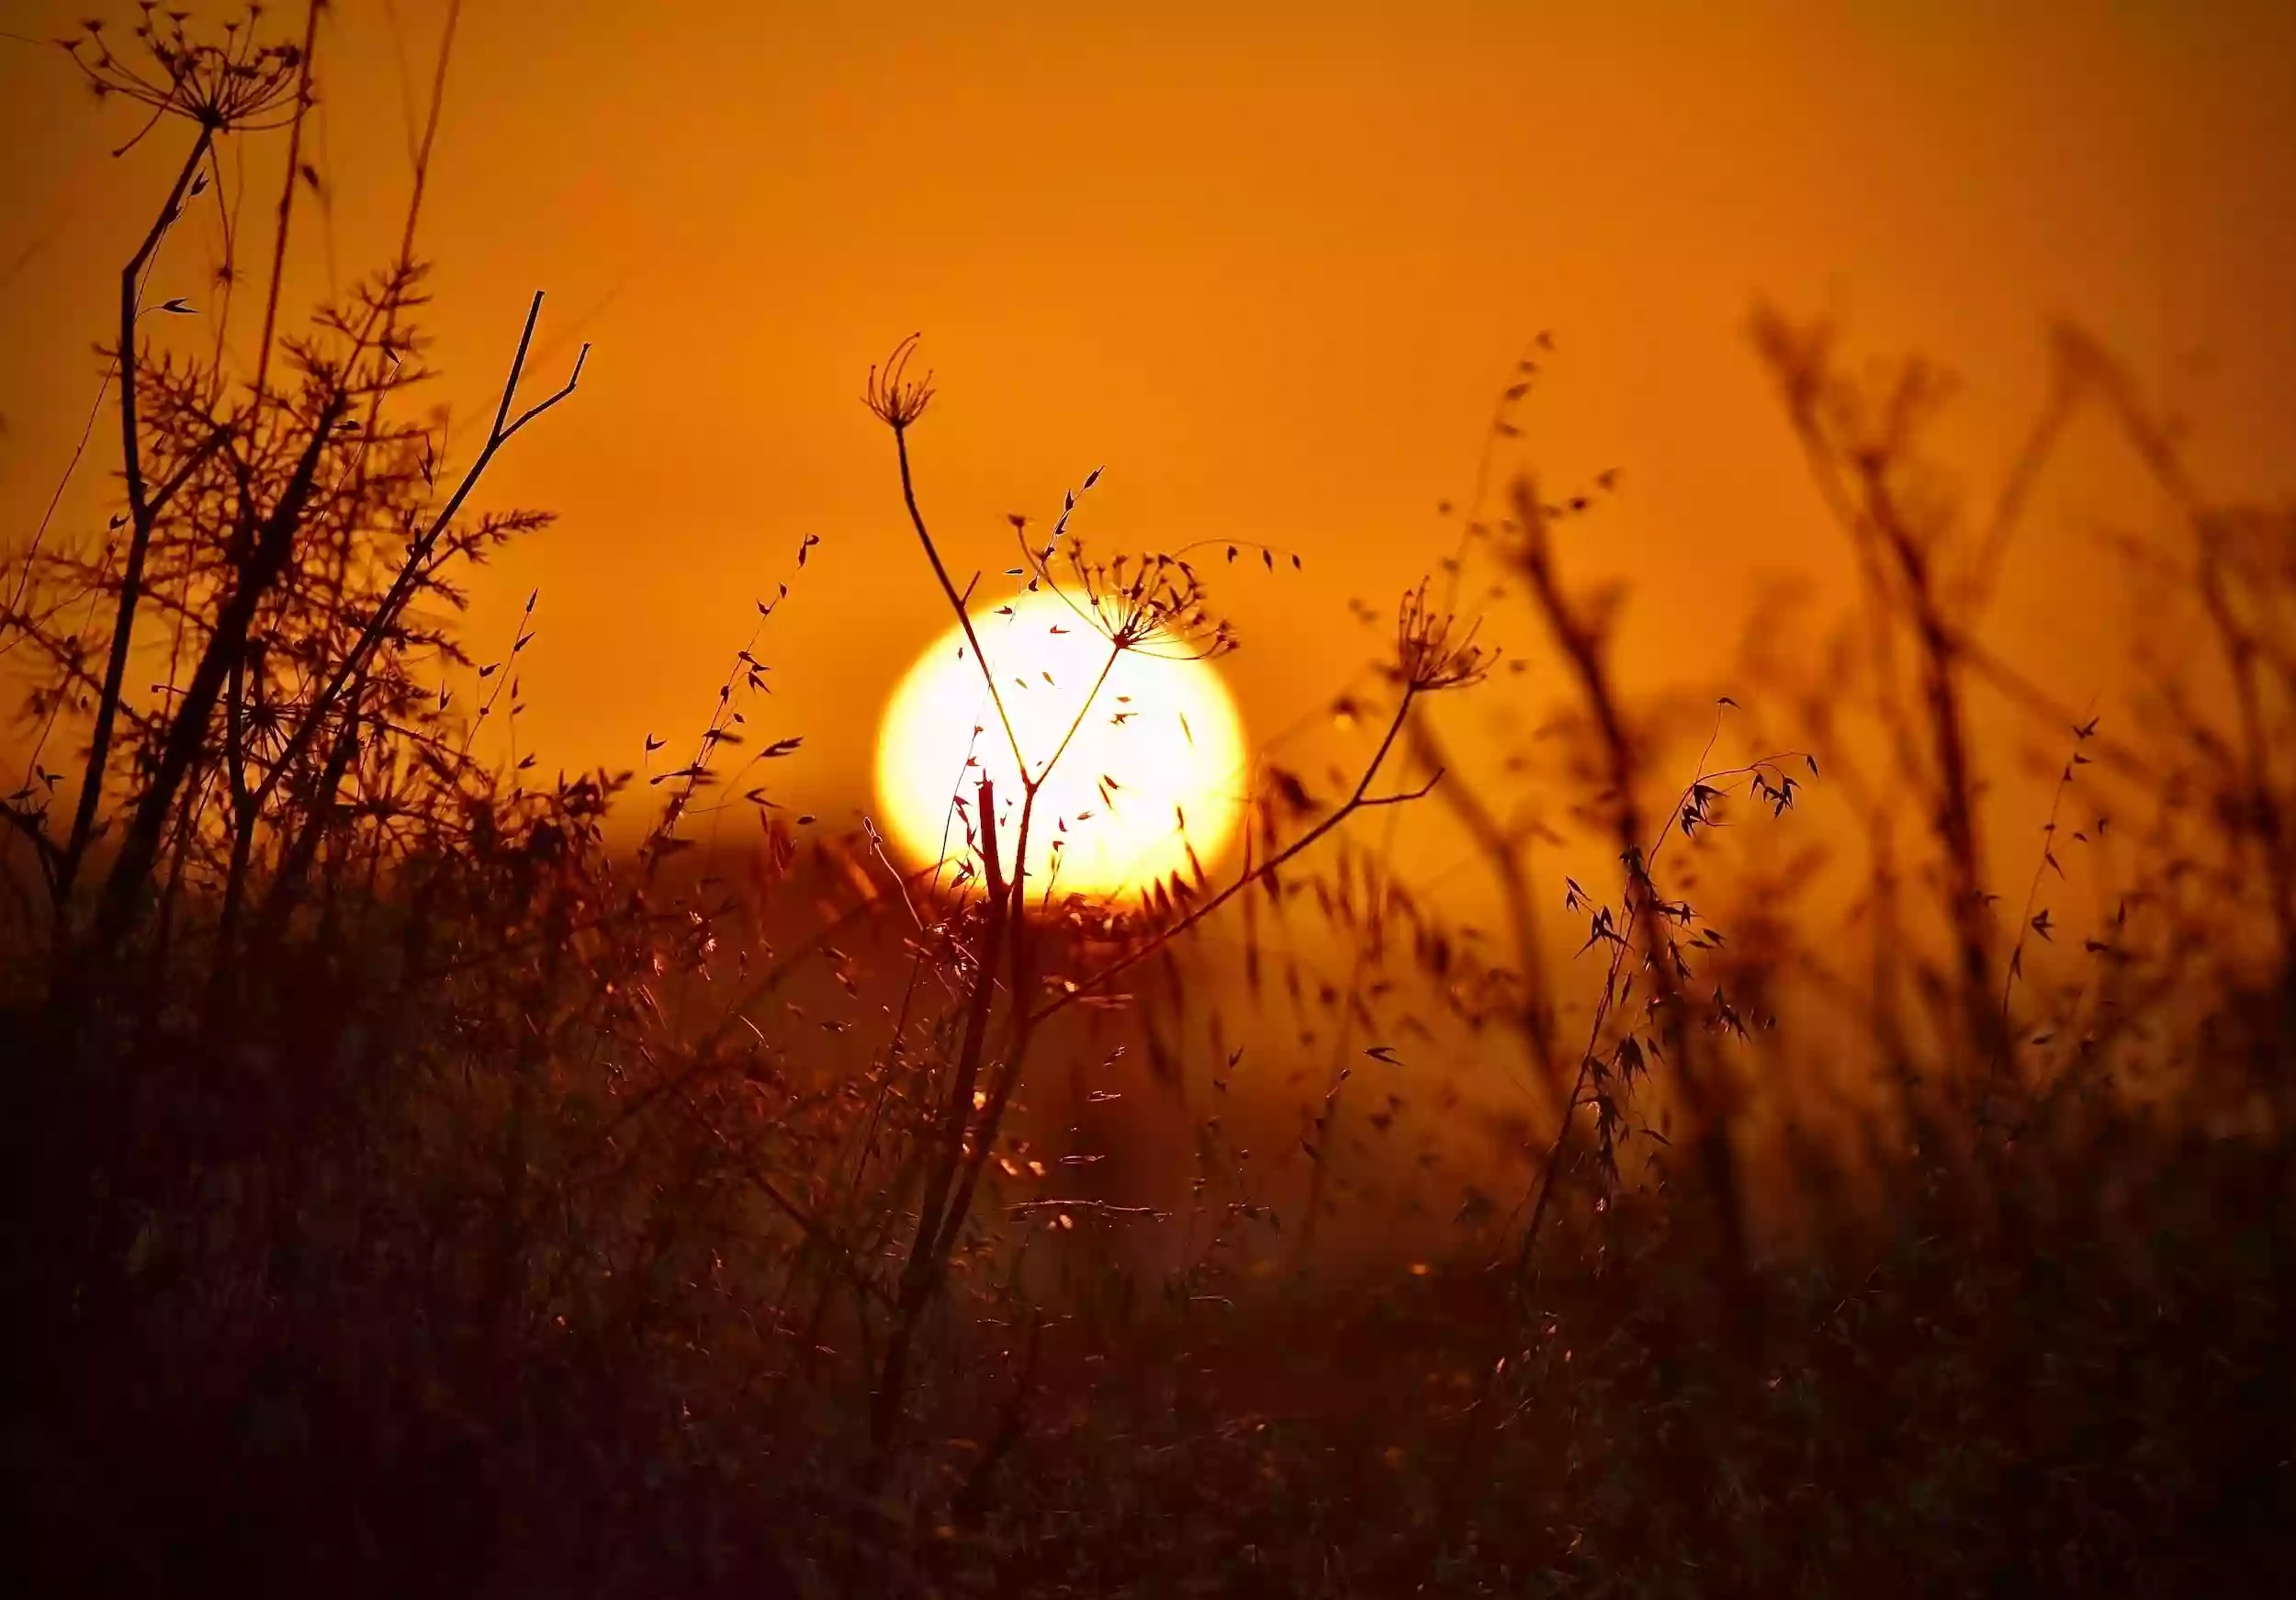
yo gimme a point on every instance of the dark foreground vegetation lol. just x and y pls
(413, 1194)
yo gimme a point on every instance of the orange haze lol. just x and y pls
(1266, 263)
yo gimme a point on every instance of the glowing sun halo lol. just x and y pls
(1161, 742)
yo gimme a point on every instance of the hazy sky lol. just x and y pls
(1266, 263)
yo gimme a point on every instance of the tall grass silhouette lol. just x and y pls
(414, 1188)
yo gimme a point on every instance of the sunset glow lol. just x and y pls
(1155, 765)
(1075, 801)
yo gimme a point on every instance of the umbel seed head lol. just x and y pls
(895, 398)
(236, 86)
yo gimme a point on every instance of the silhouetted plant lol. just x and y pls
(417, 1188)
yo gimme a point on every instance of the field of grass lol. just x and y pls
(418, 1190)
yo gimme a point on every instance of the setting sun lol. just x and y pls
(652, 936)
(1155, 766)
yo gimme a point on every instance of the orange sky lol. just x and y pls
(1266, 263)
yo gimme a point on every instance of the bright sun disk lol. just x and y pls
(1157, 764)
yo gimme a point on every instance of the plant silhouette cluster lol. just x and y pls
(417, 1189)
